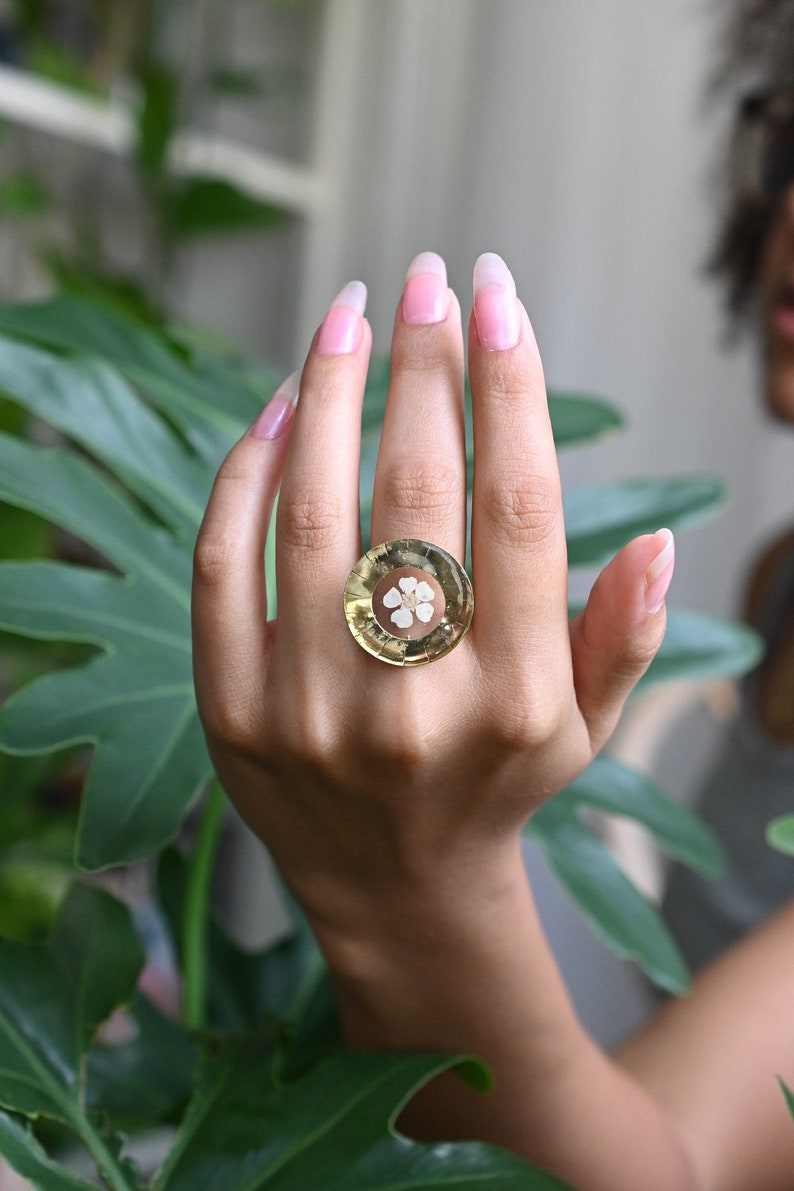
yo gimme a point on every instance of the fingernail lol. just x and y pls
(277, 416)
(497, 316)
(660, 572)
(426, 295)
(343, 325)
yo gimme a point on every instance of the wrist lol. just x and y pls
(363, 923)
(416, 965)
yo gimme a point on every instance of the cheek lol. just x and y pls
(780, 389)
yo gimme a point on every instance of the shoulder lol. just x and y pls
(765, 574)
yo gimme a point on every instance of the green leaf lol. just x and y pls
(23, 196)
(788, 1095)
(210, 416)
(600, 520)
(157, 117)
(90, 402)
(331, 1128)
(23, 1153)
(780, 834)
(135, 701)
(618, 913)
(245, 987)
(211, 206)
(697, 646)
(32, 887)
(238, 84)
(577, 418)
(146, 1078)
(53, 997)
(611, 788)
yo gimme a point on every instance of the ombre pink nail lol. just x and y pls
(343, 325)
(426, 294)
(497, 316)
(278, 415)
(659, 575)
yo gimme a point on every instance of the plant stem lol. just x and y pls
(105, 1162)
(197, 909)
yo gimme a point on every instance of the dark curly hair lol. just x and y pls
(756, 50)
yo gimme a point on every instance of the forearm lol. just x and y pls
(467, 969)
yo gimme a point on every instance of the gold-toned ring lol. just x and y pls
(408, 602)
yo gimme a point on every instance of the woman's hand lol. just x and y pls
(392, 800)
(376, 788)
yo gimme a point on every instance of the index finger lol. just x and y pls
(229, 601)
(519, 555)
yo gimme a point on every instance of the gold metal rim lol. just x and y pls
(412, 560)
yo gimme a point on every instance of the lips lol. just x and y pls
(781, 313)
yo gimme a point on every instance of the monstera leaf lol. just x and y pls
(247, 1123)
(52, 999)
(245, 1131)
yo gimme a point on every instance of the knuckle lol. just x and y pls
(397, 743)
(510, 389)
(643, 651)
(527, 721)
(427, 353)
(212, 559)
(423, 486)
(310, 523)
(230, 727)
(522, 509)
(521, 729)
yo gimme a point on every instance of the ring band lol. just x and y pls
(408, 602)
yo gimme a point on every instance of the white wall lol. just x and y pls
(571, 137)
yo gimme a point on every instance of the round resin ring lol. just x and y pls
(408, 602)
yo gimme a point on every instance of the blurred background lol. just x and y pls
(231, 163)
(289, 145)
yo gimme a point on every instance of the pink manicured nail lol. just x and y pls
(277, 417)
(660, 572)
(426, 296)
(343, 325)
(496, 311)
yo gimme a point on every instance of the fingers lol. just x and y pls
(229, 605)
(318, 515)
(617, 636)
(420, 481)
(518, 536)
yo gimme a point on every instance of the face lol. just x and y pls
(777, 310)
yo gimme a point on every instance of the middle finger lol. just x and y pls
(420, 479)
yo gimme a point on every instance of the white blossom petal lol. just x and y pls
(392, 598)
(403, 618)
(407, 583)
(424, 592)
(424, 612)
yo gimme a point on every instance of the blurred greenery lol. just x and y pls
(103, 48)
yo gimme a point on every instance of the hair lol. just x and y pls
(755, 50)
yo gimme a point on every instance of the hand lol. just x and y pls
(378, 789)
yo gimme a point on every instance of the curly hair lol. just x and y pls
(756, 49)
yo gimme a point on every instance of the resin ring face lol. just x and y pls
(408, 602)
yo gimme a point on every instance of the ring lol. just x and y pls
(408, 602)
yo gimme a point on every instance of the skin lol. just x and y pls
(777, 310)
(393, 801)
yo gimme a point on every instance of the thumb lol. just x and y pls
(617, 635)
